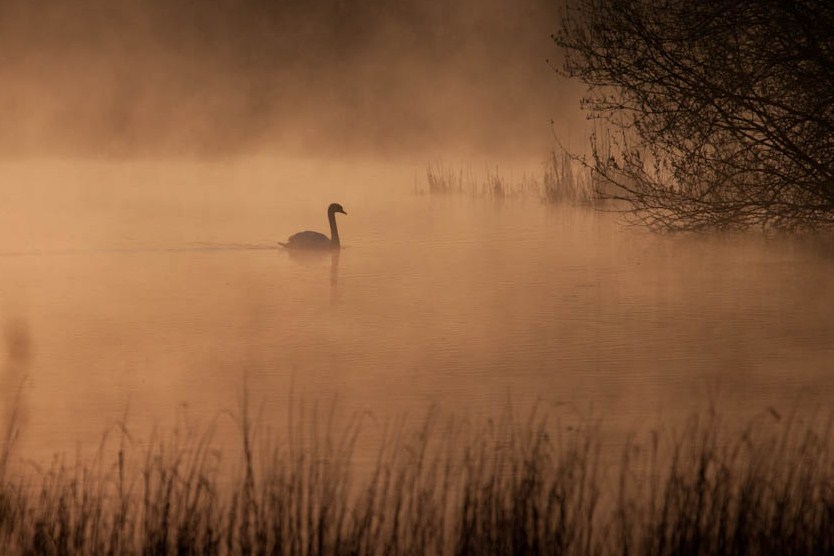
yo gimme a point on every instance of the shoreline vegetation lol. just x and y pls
(563, 179)
(708, 130)
(516, 484)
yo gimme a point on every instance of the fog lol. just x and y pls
(477, 333)
(154, 154)
(324, 77)
(131, 289)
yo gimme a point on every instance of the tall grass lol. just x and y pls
(562, 180)
(513, 485)
(567, 181)
(443, 180)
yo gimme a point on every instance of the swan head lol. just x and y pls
(334, 208)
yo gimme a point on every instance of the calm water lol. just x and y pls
(141, 289)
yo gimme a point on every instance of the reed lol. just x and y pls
(441, 179)
(567, 181)
(563, 180)
(518, 484)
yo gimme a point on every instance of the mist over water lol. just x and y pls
(154, 153)
(168, 293)
(493, 360)
(166, 78)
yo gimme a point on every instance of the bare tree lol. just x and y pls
(713, 113)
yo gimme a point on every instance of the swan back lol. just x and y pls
(308, 240)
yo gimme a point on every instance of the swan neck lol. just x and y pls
(334, 233)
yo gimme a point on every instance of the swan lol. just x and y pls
(315, 240)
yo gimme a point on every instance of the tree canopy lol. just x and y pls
(709, 114)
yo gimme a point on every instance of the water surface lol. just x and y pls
(135, 290)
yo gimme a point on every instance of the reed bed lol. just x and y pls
(563, 180)
(512, 485)
(442, 179)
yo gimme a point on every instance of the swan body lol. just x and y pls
(316, 240)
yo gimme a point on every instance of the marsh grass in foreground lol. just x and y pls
(511, 485)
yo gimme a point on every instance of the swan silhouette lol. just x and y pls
(315, 240)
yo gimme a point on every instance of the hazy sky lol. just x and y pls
(328, 76)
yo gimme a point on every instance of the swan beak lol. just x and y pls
(343, 212)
